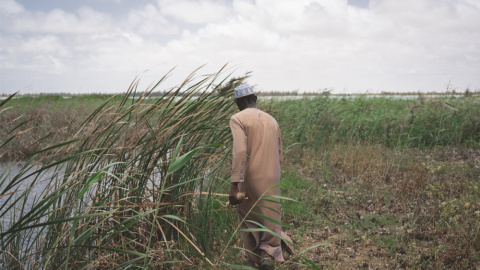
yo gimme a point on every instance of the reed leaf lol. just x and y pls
(121, 185)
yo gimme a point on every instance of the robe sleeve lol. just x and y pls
(280, 147)
(239, 151)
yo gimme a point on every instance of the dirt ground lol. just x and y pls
(387, 210)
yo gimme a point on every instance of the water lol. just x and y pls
(289, 97)
(13, 178)
(352, 96)
(8, 172)
(37, 185)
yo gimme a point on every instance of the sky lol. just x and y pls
(344, 46)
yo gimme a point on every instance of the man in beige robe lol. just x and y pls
(257, 157)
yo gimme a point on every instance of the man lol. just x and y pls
(257, 157)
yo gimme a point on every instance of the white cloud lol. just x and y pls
(45, 54)
(149, 21)
(42, 45)
(336, 45)
(86, 21)
(195, 11)
(115, 1)
(304, 44)
(10, 7)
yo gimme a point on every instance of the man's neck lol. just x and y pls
(250, 106)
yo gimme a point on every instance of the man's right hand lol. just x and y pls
(232, 197)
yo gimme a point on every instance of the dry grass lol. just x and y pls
(120, 190)
(375, 203)
(386, 209)
(42, 121)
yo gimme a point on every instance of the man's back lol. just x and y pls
(257, 152)
(262, 144)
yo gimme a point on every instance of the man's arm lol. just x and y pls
(232, 196)
(239, 160)
(239, 151)
(280, 147)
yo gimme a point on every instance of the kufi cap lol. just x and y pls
(243, 90)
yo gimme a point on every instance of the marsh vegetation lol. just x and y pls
(136, 181)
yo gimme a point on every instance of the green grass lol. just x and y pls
(305, 209)
(387, 208)
(373, 180)
(391, 122)
(395, 181)
(132, 184)
(123, 186)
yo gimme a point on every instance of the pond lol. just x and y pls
(17, 179)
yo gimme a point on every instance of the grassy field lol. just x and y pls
(386, 183)
(378, 183)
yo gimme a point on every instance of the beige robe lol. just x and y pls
(257, 157)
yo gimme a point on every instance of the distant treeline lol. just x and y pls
(325, 92)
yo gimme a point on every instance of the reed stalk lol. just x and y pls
(123, 190)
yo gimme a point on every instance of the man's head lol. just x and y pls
(245, 97)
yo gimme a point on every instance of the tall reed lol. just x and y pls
(396, 123)
(128, 189)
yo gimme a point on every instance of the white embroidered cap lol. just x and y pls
(243, 90)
